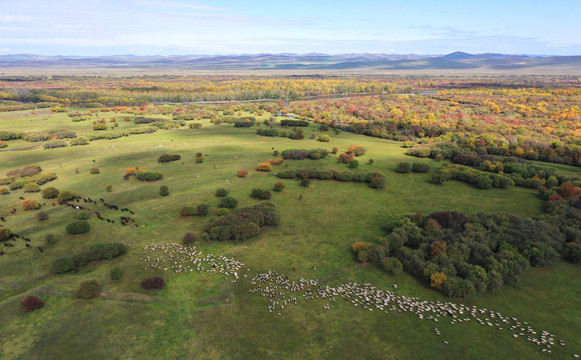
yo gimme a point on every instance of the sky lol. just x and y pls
(182, 27)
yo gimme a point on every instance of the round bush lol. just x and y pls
(404, 167)
(5, 234)
(353, 164)
(278, 186)
(392, 265)
(163, 190)
(4, 191)
(221, 192)
(30, 204)
(116, 274)
(378, 183)
(41, 216)
(189, 211)
(228, 202)
(324, 138)
(153, 283)
(31, 303)
(420, 167)
(78, 227)
(242, 173)
(264, 167)
(66, 196)
(31, 187)
(189, 239)
(305, 182)
(222, 212)
(148, 176)
(88, 289)
(49, 193)
(202, 209)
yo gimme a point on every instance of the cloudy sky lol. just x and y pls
(174, 27)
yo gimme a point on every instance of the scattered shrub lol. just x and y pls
(96, 252)
(65, 196)
(278, 186)
(221, 192)
(264, 167)
(5, 234)
(163, 190)
(53, 144)
(371, 161)
(199, 160)
(293, 123)
(260, 194)
(334, 150)
(189, 211)
(202, 209)
(353, 164)
(4, 191)
(81, 140)
(31, 303)
(78, 227)
(94, 170)
(116, 274)
(88, 289)
(50, 239)
(324, 138)
(242, 173)
(404, 167)
(222, 212)
(41, 216)
(168, 157)
(228, 202)
(286, 174)
(244, 223)
(30, 204)
(148, 176)
(378, 183)
(420, 167)
(31, 187)
(305, 182)
(344, 176)
(154, 283)
(189, 239)
(346, 158)
(357, 150)
(392, 265)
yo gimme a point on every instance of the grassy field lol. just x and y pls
(205, 316)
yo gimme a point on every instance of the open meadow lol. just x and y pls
(213, 304)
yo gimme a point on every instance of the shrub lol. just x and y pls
(483, 181)
(404, 167)
(99, 126)
(65, 196)
(154, 283)
(88, 289)
(324, 138)
(31, 303)
(30, 204)
(344, 176)
(244, 223)
(353, 164)
(3, 144)
(264, 167)
(420, 167)
(50, 239)
(168, 157)
(228, 202)
(294, 123)
(31, 187)
(53, 144)
(260, 194)
(81, 140)
(378, 183)
(334, 150)
(242, 173)
(305, 182)
(41, 216)
(163, 190)
(392, 265)
(346, 158)
(78, 227)
(189, 239)
(95, 170)
(202, 209)
(115, 274)
(5, 234)
(222, 212)
(148, 176)
(357, 150)
(221, 192)
(278, 186)
(199, 160)
(18, 184)
(96, 252)
(189, 211)
(4, 191)
(371, 161)
(440, 177)
(286, 174)
(195, 125)
(276, 161)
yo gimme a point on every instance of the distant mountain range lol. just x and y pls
(314, 62)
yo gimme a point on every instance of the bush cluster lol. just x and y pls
(100, 251)
(357, 150)
(189, 239)
(302, 154)
(164, 190)
(148, 176)
(78, 227)
(264, 167)
(228, 202)
(31, 303)
(324, 174)
(66, 196)
(189, 211)
(88, 289)
(243, 223)
(30, 204)
(242, 173)
(53, 144)
(278, 186)
(404, 167)
(221, 192)
(260, 194)
(268, 132)
(26, 171)
(293, 123)
(116, 274)
(41, 216)
(163, 158)
(480, 179)
(31, 187)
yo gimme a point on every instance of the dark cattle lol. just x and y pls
(8, 244)
(39, 249)
(21, 198)
(28, 246)
(108, 220)
(2, 218)
(136, 225)
(2, 252)
(101, 199)
(132, 213)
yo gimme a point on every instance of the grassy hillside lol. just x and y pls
(206, 316)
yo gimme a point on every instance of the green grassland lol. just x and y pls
(204, 316)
